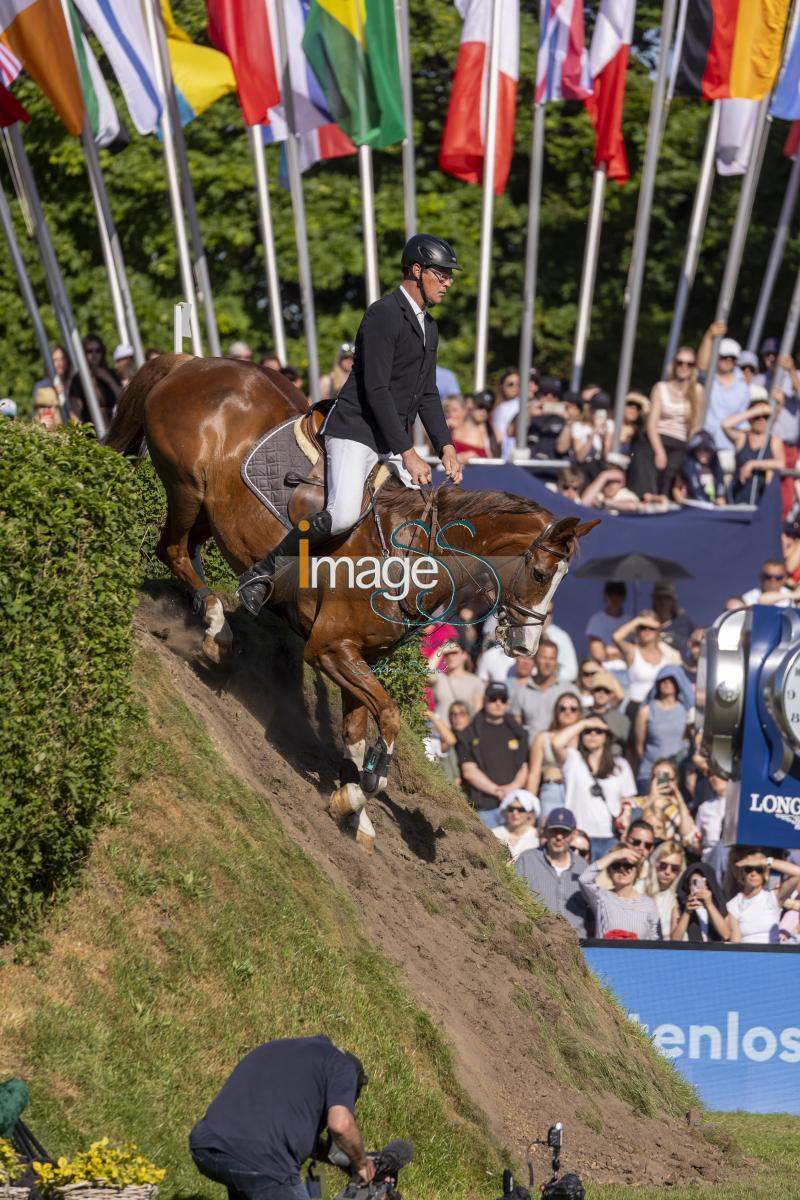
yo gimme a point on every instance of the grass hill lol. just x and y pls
(222, 907)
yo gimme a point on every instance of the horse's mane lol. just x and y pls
(398, 501)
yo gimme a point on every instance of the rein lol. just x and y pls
(539, 543)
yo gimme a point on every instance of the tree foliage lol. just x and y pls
(222, 173)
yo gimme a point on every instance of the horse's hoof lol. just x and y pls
(383, 783)
(212, 650)
(346, 800)
(364, 830)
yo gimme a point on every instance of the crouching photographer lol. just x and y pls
(270, 1114)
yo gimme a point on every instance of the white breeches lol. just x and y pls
(349, 464)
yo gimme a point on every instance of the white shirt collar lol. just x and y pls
(419, 311)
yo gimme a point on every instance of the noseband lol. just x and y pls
(539, 614)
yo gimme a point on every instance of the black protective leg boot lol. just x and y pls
(257, 584)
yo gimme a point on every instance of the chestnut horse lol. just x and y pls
(201, 417)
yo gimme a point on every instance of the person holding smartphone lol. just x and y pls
(700, 914)
(665, 808)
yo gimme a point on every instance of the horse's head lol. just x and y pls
(527, 595)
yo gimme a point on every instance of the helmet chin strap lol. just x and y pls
(426, 303)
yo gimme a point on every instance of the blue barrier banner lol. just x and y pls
(728, 1018)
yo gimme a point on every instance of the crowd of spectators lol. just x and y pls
(685, 443)
(592, 776)
(61, 398)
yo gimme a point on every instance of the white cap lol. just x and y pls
(729, 347)
(758, 392)
(8, 408)
(123, 351)
(524, 798)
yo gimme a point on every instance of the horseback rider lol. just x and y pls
(392, 382)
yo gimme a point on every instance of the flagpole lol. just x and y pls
(58, 293)
(531, 274)
(200, 261)
(124, 312)
(368, 221)
(487, 211)
(789, 332)
(775, 255)
(694, 240)
(642, 229)
(268, 238)
(736, 246)
(409, 160)
(588, 277)
(26, 290)
(152, 16)
(298, 206)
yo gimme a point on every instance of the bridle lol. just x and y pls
(538, 614)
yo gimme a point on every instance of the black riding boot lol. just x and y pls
(257, 584)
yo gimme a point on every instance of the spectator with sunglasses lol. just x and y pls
(493, 754)
(622, 909)
(544, 774)
(667, 864)
(645, 656)
(754, 912)
(773, 588)
(599, 787)
(675, 407)
(553, 871)
(640, 836)
(106, 383)
(607, 695)
(581, 844)
(518, 833)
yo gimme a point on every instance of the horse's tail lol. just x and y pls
(126, 431)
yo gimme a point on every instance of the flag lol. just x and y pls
(737, 128)
(240, 29)
(10, 108)
(464, 141)
(10, 66)
(786, 100)
(562, 66)
(608, 67)
(318, 136)
(201, 75)
(352, 48)
(107, 129)
(792, 144)
(34, 31)
(730, 48)
(120, 29)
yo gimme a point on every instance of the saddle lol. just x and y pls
(285, 469)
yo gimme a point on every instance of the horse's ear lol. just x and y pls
(585, 528)
(562, 530)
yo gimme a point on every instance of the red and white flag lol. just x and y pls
(463, 147)
(608, 67)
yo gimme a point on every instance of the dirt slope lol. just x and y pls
(534, 1038)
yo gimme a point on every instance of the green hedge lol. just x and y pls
(69, 568)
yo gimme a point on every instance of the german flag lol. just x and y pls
(730, 48)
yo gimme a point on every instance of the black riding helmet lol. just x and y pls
(429, 251)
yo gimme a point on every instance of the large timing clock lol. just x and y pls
(721, 680)
(779, 699)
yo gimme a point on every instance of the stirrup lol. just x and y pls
(254, 603)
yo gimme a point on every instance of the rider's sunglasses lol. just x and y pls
(442, 276)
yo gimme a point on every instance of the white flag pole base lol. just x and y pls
(182, 325)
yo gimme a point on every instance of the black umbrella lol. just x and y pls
(632, 568)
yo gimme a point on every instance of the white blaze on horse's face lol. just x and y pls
(524, 639)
